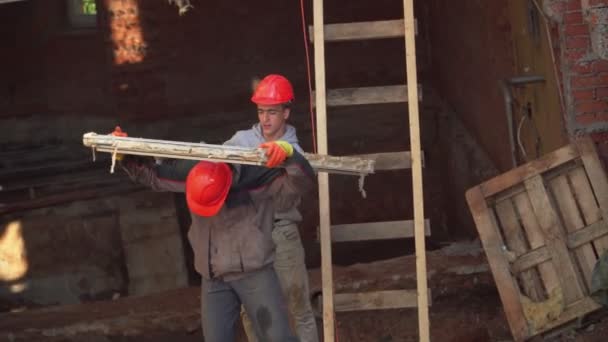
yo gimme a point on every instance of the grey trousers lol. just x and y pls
(291, 269)
(260, 295)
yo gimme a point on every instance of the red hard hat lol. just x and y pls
(272, 90)
(207, 186)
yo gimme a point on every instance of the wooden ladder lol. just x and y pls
(322, 33)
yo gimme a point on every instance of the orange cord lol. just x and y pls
(312, 115)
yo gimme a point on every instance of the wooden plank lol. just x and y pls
(572, 312)
(216, 153)
(586, 202)
(67, 197)
(536, 239)
(375, 231)
(591, 232)
(378, 300)
(363, 30)
(596, 173)
(554, 239)
(526, 171)
(532, 258)
(390, 160)
(573, 222)
(368, 95)
(417, 189)
(324, 209)
(516, 243)
(592, 210)
(493, 246)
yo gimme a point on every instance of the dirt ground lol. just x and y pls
(465, 308)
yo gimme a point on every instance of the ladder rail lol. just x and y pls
(417, 190)
(324, 208)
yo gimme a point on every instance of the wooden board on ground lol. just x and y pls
(543, 226)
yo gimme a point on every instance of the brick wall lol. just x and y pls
(582, 37)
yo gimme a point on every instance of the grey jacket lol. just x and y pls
(237, 240)
(253, 137)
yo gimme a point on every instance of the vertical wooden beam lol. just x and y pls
(324, 209)
(412, 94)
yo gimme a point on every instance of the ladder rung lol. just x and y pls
(390, 160)
(376, 231)
(368, 95)
(376, 300)
(363, 30)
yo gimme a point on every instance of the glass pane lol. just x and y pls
(88, 7)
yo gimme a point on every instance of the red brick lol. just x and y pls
(578, 42)
(573, 5)
(573, 17)
(592, 107)
(576, 29)
(600, 137)
(583, 95)
(582, 68)
(601, 65)
(588, 81)
(574, 55)
(586, 119)
(601, 92)
(598, 3)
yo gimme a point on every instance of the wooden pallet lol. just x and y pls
(542, 226)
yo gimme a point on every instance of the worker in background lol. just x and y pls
(274, 97)
(233, 212)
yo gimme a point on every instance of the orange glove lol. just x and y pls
(277, 152)
(119, 133)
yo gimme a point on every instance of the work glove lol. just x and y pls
(277, 151)
(119, 133)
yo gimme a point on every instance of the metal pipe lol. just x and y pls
(505, 85)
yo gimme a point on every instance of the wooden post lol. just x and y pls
(324, 209)
(412, 94)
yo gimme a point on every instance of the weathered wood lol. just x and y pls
(536, 240)
(44, 169)
(379, 300)
(595, 171)
(75, 195)
(324, 208)
(390, 160)
(364, 30)
(375, 231)
(531, 259)
(592, 232)
(555, 239)
(368, 95)
(417, 189)
(493, 246)
(558, 210)
(573, 222)
(585, 194)
(520, 174)
(52, 180)
(572, 312)
(516, 243)
(218, 153)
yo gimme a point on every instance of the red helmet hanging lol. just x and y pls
(207, 186)
(272, 90)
